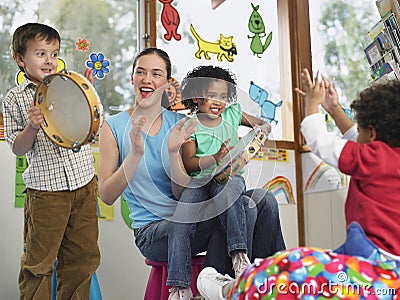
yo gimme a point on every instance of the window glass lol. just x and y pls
(102, 31)
(241, 37)
(339, 35)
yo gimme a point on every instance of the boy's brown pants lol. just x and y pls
(60, 225)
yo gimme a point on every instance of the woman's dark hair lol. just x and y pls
(152, 50)
(31, 31)
(379, 106)
(193, 88)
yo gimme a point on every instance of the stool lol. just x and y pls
(156, 285)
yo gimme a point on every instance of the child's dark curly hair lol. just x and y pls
(379, 106)
(194, 88)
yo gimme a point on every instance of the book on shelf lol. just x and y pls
(373, 53)
(384, 68)
(386, 77)
(376, 30)
(386, 6)
(392, 31)
(383, 52)
(384, 43)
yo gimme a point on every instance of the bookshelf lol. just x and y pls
(383, 53)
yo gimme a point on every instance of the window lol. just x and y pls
(109, 28)
(250, 30)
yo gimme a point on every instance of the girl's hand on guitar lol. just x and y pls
(223, 150)
(266, 127)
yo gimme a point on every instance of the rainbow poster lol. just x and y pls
(319, 176)
(281, 187)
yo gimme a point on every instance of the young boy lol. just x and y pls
(372, 207)
(60, 208)
(208, 91)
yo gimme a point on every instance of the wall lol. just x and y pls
(11, 220)
(325, 191)
(325, 225)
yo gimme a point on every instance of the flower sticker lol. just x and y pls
(82, 45)
(98, 64)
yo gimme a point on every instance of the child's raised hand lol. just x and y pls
(35, 116)
(331, 101)
(306, 82)
(314, 92)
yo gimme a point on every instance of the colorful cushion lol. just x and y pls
(314, 273)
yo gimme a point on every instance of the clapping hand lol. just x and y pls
(136, 135)
(314, 92)
(180, 134)
(331, 101)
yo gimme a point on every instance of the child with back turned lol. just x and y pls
(60, 208)
(371, 157)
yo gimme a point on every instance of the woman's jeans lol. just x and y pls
(196, 227)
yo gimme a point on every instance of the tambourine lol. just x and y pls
(240, 155)
(71, 107)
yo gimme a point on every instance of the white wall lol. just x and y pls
(11, 224)
(325, 225)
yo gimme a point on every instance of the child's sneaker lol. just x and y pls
(211, 284)
(240, 262)
(177, 293)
